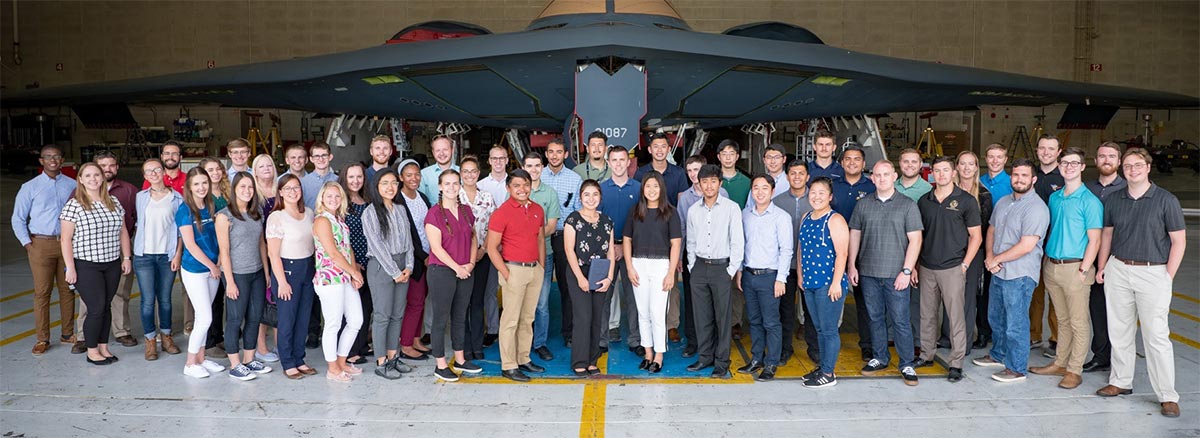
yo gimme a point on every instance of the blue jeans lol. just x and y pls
(766, 331)
(884, 302)
(541, 317)
(825, 315)
(1008, 314)
(155, 280)
(294, 313)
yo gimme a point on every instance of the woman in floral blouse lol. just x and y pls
(336, 281)
(590, 232)
(482, 205)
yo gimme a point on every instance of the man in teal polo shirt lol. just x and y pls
(443, 156)
(1076, 219)
(996, 180)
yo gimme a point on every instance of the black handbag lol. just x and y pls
(270, 314)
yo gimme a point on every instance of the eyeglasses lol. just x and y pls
(1070, 164)
(290, 189)
(153, 171)
(390, 183)
(1134, 166)
(773, 157)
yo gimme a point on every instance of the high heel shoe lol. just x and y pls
(655, 367)
(645, 364)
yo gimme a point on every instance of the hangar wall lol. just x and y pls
(1146, 44)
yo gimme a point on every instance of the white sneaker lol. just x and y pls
(196, 371)
(212, 367)
(271, 356)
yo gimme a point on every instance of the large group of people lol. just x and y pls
(365, 260)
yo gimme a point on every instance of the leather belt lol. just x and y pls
(1138, 262)
(753, 271)
(1064, 261)
(724, 261)
(43, 237)
(523, 264)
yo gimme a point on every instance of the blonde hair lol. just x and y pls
(85, 200)
(332, 185)
(221, 186)
(261, 188)
(974, 190)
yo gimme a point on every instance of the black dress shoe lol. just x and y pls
(490, 339)
(638, 350)
(720, 373)
(955, 375)
(421, 356)
(1092, 366)
(568, 342)
(531, 367)
(425, 339)
(784, 358)
(654, 367)
(311, 342)
(515, 375)
(979, 344)
(544, 353)
(104, 361)
(750, 368)
(767, 375)
(699, 366)
(689, 351)
(921, 363)
(645, 364)
(867, 355)
(614, 335)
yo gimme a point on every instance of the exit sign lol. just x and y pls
(1096, 67)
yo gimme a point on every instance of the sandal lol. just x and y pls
(352, 370)
(339, 377)
(296, 376)
(307, 370)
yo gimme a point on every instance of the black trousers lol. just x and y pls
(475, 317)
(314, 320)
(810, 330)
(983, 329)
(562, 274)
(216, 331)
(1101, 348)
(712, 306)
(787, 314)
(862, 320)
(244, 312)
(96, 284)
(590, 325)
(359, 347)
(689, 315)
(449, 296)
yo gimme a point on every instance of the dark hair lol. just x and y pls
(344, 180)
(533, 154)
(824, 180)
(764, 176)
(170, 143)
(616, 148)
(942, 159)
(1023, 162)
(695, 159)
(659, 136)
(377, 201)
(597, 134)
(590, 183)
(854, 148)
(775, 147)
(728, 143)
(283, 180)
(664, 206)
(558, 141)
(104, 154)
(470, 158)
(797, 162)
(55, 147)
(252, 208)
(709, 171)
(515, 174)
(320, 145)
(1048, 136)
(1074, 150)
(824, 134)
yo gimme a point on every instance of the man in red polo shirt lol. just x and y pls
(516, 244)
(171, 153)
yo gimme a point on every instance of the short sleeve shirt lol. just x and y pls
(885, 225)
(846, 195)
(295, 235)
(652, 235)
(244, 236)
(1071, 216)
(519, 225)
(97, 237)
(591, 238)
(457, 233)
(944, 244)
(738, 187)
(1016, 218)
(206, 237)
(618, 200)
(1140, 226)
(328, 272)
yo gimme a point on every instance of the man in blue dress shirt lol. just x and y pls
(618, 195)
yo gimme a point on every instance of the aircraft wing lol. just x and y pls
(527, 80)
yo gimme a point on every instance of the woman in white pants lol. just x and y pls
(200, 273)
(652, 239)
(337, 281)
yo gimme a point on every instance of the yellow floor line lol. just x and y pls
(1185, 341)
(1187, 298)
(25, 334)
(591, 416)
(1184, 315)
(23, 313)
(16, 295)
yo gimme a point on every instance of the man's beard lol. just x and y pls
(169, 166)
(1024, 190)
(1111, 170)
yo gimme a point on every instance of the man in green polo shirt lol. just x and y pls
(545, 196)
(911, 184)
(1076, 218)
(734, 182)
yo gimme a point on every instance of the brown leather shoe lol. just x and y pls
(79, 347)
(1070, 381)
(1049, 370)
(151, 350)
(40, 348)
(673, 335)
(168, 344)
(1170, 410)
(127, 341)
(1113, 391)
(67, 340)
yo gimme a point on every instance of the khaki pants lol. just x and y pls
(1037, 309)
(49, 271)
(1070, 296)
(1142, 293)
(673, 304)
(937, 287)
(519, 303)
(120, 309)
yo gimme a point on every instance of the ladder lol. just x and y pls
(1019, 143)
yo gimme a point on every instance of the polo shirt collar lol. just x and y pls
(1116, 182)
(932, 195)
(1149, 192)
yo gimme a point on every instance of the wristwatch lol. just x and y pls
(906, 271)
